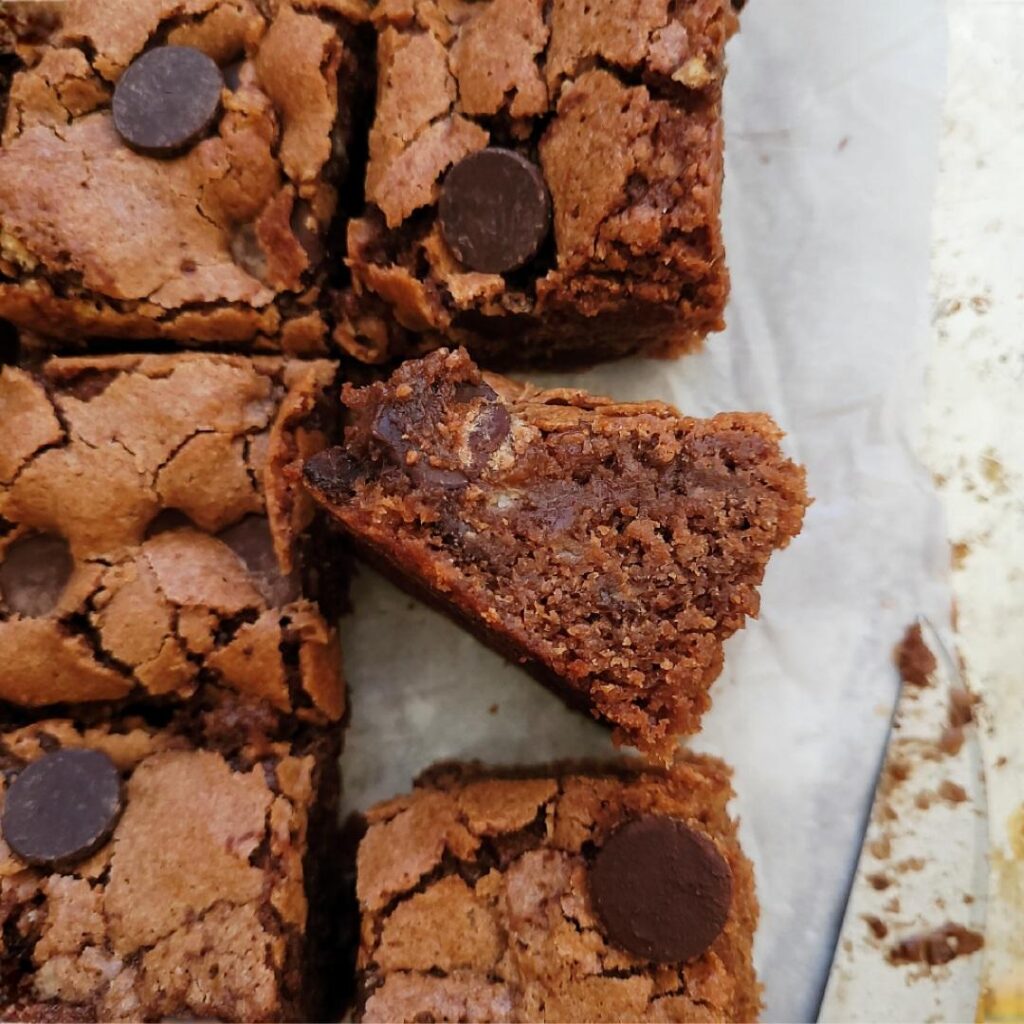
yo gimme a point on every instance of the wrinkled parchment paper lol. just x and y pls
(832, 114)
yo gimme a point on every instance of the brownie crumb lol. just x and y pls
(914, 661)
(952, 793)
(961, 714)
(940, 946)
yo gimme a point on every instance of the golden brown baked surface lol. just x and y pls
(153, 540)
(222, 244)
(197, 906)
(477, 899)
(618, 103)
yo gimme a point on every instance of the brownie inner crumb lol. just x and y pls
(617, 545)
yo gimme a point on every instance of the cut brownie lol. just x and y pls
(611, 548)
(142, 878)
(544, 181)
(155, 539)
(197, 213)
(579, 893)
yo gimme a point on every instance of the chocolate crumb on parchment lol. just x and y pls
(940, 946)
(913, 659)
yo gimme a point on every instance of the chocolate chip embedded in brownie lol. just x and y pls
(155, 540)
(616, 107)
(611, 548)
(215, 234)
(577, 893)
(142, 878)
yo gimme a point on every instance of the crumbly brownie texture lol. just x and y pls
(224, 244)
(477, 900)
(619, 104)
(24, 22)
(199, 905)
(154, 537)
(611, 548)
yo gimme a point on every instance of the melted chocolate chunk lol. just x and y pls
(251, 540)
(661, 889)
(495, 210)
(62, 808)
(167, 100)
(307, 231)
(489, 431)
(34, 573)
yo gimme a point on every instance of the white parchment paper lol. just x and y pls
(832, 116)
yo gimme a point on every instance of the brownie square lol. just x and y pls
(525, 895)
(610, 548)
(155, 541)
(617, 106)
(203, 895)
(225, 242)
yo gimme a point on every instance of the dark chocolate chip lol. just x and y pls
(332, 473)
(167, 100)
(390, 433)
(251, 540)
(423, 474)
(661, 889)
(307, 231)
(34, 573)
(466, 392)
(491, 428)
(62, 808)
(495, 210)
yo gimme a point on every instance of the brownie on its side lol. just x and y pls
(611, 548)
(544, 181)
(155, 540)
(202, 220)
(578, 893)
(142, 878)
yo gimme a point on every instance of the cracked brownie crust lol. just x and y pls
(618, 103)
(611, 548)
(196, 907)
(476, 894)
(224, 244)
(154, 539)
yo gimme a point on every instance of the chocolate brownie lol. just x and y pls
(143, 878)
(544, 181)
(25, 22)
(170, 170)
(611, 548)
(155, 540)
(577, 893)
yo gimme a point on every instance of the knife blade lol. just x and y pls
(910, 944)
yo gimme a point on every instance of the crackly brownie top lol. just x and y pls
(192, 903)
(617, 105)
(152, 536)
(615, 546)
(488, 896)
(199, 246)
